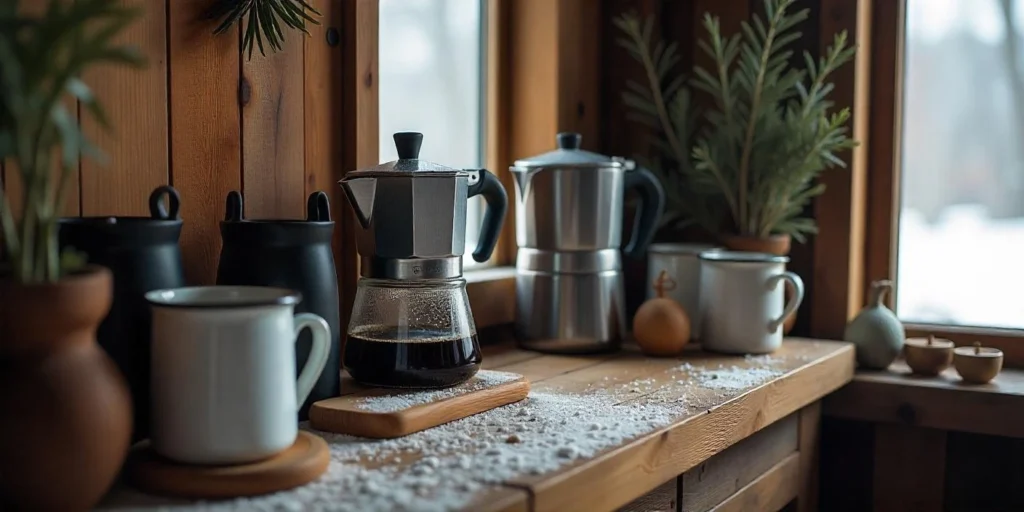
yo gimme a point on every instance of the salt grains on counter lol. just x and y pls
(443, 468)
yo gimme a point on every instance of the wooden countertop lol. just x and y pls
(944, 402)
(716, 415)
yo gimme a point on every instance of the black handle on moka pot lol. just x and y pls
(652, 204)
(488, 186)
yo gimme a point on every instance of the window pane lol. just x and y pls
(961, 230)
(431, 81)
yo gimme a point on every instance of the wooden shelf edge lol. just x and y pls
(939, 403)
(642, 465)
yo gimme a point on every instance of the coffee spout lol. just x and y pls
(361, 193)
(522, 179)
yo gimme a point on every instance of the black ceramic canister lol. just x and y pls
(143, 255)
(292, 254)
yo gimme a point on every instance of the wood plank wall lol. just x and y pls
(208, 121)
(891, 467)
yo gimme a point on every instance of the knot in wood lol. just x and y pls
(906, 413)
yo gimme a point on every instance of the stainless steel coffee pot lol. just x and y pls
(569, 286)
(571, 199)
(412, 214)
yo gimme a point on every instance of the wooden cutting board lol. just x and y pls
(389, 413)
(300, 464)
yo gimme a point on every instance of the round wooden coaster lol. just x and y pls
(300, 464)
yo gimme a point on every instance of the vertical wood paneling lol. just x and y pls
(323, 121)
(910, 465)
(205, 131)
(272, 131)
(323, 118)
(838, 260)
(886, 47)
(497, 118)
(983, 473)
(619, 135)
(136, 104)
(810, 448)
(579, 46)
(533, 32)
(361, 131)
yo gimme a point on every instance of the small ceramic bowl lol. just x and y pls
(977, 364)
(928, 356)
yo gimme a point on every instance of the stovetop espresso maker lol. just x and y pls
(411, 325)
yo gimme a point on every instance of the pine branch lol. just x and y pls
(655, 66)
(263, 21)
(746, 226)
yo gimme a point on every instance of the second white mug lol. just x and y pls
(742, 301)
(223, 372)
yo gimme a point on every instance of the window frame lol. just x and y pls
(883, 23)
(542, 63)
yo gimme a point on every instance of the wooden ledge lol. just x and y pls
(716, 417)
(943, 402)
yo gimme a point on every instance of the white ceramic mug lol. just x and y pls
(223, 372)
(742, 301)
(681, 264)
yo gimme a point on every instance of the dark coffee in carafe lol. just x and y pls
(411, 326)
(410, 358)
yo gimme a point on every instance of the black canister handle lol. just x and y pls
(156, 203)
(318, 207)
(652, 204)
(497, 205)
(234, 211)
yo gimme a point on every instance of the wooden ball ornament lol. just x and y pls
(661, 326)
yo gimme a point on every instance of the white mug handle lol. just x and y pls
(794, 301)
(318, 353)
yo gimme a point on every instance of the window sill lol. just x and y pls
(1010, 341)
(943, 402)
(492, 295)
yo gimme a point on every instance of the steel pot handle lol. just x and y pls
(318, 207)
(156, 203)
(652, 204)
(494, 193)
(234, 209)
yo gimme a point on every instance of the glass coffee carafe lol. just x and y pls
(413, 334)
(411, 325)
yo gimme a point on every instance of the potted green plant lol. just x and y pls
(67, 429)
(745, 167)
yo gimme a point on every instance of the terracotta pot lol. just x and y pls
(67, 411)
(775, 244)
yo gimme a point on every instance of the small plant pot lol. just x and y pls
(775, 244)
(928, 356)
(977, 364)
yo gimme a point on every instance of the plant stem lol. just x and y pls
(746, 225)
(10, 232)
(659, 103)
(62, 191)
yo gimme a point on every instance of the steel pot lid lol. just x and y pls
(569, 154)
(409, 162)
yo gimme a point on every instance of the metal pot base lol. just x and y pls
(570, 313)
